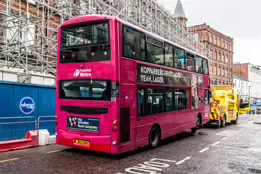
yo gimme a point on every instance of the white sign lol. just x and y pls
(27, 105)
(82, 73)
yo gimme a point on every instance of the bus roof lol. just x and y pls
(98, 16)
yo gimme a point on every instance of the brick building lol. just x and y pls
(252, 73)
(220, 46)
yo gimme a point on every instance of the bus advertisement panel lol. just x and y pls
(120, 87)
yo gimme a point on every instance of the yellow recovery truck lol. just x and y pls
(225, 106)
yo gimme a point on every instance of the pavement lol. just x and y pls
(235, 149)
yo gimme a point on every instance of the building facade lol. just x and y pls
(252, 73)
(220, 46)
(221, 53)
(241, 85)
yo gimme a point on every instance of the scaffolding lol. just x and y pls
(28, 28)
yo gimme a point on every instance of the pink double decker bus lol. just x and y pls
(120, 87)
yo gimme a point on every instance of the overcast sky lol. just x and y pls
(239, 19)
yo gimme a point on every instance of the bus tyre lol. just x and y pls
(154, 137)
(194, 130)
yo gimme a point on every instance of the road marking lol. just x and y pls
(182, 161)
(203, 150)
(225, 138)
(226, 133)
(13, 159)
(216, 143)
(159, 159)
(54, 151)
(242, 125)
(153, 166)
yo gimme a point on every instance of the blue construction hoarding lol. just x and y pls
(21, 105)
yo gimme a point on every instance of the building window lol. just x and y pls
(215, 70)
(223, 58)
(207, 36)
(196, 36)
(218, 71)
(226, 59)
(211, 54)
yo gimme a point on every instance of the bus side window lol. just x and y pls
(182, 99)
(205, 67)
(141, 103)
(199, 67)
(169, 100)
(207, 97)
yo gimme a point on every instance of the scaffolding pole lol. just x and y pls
(28, 28)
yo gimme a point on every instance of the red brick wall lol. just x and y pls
(241, 70)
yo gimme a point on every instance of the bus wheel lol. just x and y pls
(154, 137)
(194, 130)
(223, 122)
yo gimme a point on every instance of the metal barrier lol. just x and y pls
(43, 121)
(13, 120)
(11, 132)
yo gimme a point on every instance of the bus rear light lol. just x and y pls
(114, 128)
(56, 120)
(114, 122)
(114, 143)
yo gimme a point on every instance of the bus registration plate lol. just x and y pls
(82, 142)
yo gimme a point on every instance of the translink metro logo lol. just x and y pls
(82, 73)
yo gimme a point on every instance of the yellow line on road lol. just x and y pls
(8, 160)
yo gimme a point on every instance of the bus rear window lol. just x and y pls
(86, 90)
(88, 43)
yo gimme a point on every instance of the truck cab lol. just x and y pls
(225, 106)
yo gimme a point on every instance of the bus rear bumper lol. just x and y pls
(92, 143)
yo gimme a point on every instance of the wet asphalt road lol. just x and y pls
(233, 149)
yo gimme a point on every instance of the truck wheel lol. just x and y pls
(218, 124)
(223, 122)
(235, 121)
(154, 137)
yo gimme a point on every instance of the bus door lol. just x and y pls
(128, 114)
